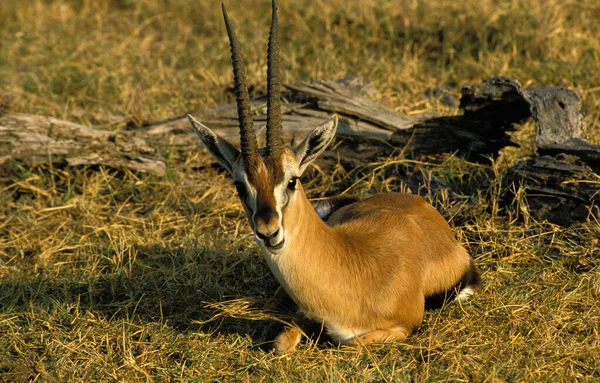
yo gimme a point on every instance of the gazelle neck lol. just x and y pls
(311, 247)
(305, 230)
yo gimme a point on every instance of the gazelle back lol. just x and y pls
(364, 266)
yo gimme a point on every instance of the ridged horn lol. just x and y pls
(248, 143)
(274, 128)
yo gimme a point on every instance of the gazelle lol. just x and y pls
(363, 266)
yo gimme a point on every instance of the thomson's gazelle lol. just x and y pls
(365, 267)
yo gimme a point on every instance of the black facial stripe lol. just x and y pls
(241, 189)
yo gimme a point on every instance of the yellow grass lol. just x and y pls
(109, 275)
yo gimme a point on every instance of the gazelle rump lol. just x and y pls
(366, 267)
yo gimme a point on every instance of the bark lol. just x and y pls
(560, 185)
(490, 110)
(561, 189)
(308, 105)
(36, 140)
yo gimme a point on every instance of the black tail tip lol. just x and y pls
(464, 288)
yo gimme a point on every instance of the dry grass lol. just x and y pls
(108, 275)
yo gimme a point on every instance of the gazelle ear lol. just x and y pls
(316, 142)
(221, 149)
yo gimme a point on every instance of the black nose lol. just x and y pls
(266, 237)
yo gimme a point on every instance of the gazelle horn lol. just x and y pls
(274, 140)
(248, 143)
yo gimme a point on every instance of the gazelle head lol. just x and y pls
(266, 178)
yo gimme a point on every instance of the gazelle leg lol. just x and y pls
(379, 336)
(289, 338)
(287, 341)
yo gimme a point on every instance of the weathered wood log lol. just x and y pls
(35, 140)
(585, 151)
(490, 110)
(556, 111)
(561, 189)
(557, 115)
(562, 184)
(348, 98)
(308, 105)
(479, 133)
(560, 127)
(298, 121)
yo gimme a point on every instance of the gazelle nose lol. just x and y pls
(265, 237)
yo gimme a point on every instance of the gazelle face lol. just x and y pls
(267, 186)
(265, 191)
(265, 179)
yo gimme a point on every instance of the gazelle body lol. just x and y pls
(363, 266)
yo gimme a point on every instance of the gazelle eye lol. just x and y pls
(292, 183)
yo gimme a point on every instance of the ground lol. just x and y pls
(110, 275)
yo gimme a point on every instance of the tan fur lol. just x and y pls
(287, 341)
(366, 271)
(371, 266)
(379, 336)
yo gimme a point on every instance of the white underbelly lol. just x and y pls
(342, 334)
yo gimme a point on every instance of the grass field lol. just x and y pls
(109, 275)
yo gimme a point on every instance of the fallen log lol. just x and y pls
(478, 133)
(36, 140)
(489, 111)
(561, 189)
(307, 105)
(585, 151)
(561, 184)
